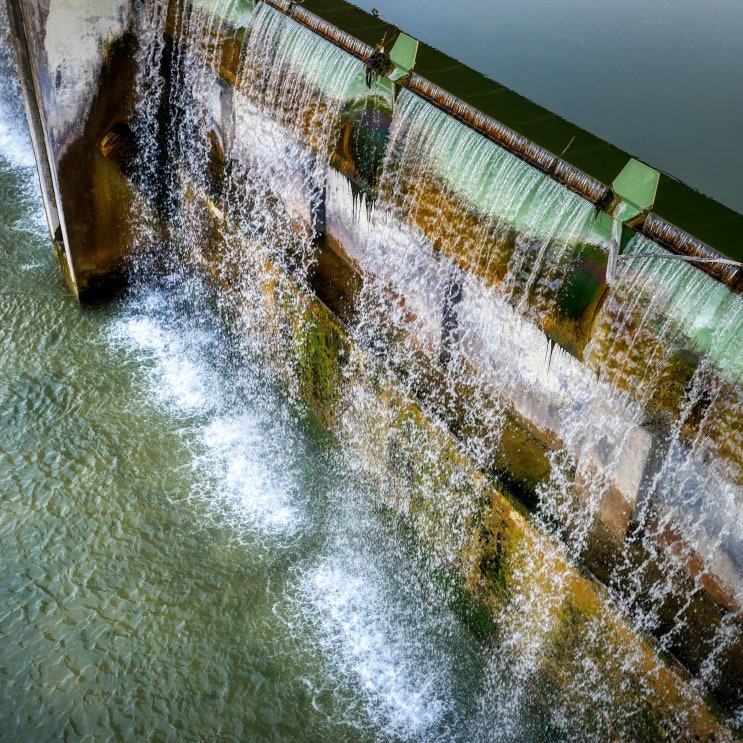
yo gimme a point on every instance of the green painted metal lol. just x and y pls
(403, 54)
(636, 187)
(634, 190)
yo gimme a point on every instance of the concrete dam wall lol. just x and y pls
(543, 377)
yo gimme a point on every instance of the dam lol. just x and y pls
(533, 374)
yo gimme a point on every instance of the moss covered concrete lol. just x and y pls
(512, 582)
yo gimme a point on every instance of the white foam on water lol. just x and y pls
(240, 458)
(175, 376)
(384, 645)
(402, 685)
(239, 453)
(15, 146)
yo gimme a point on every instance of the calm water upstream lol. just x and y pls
(182, 558)
(660, 79)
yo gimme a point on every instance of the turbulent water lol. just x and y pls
(182, 557)
(186, 555)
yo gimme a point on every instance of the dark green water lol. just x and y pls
(658, 79)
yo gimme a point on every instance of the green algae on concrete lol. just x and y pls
(513, 579)
(319, 357)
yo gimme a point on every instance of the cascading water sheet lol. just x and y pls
(454, 210)
(462, 253)
(672, 335)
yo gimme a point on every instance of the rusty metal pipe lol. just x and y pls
(328, 31)
(669, 236)
(572, 178)
(654, 228)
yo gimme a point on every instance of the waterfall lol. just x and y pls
(482, 301)
(448, 199)
(256, 150)
(673, 335)
(479, 204)
(456, 216)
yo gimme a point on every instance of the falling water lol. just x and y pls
(287, 99)
(436, 166)
(675, 340)
(462, 252)
(182, 556)
(457, 217)
(477, 203)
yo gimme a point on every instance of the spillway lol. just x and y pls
(539, 379)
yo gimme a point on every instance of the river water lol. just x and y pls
(654, 78)
(184, 556)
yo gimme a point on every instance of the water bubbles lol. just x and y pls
(361, 631)
(463, 251)
(15, 146)
(257, 484)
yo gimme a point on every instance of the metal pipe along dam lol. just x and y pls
(348, 395)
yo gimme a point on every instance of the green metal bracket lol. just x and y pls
(604, 227)
(634, 195)
(403, 54)
(394, 66)
(635, 189)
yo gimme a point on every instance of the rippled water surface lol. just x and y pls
(183, 558)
